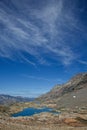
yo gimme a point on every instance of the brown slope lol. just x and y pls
(71, 94)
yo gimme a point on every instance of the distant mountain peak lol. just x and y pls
(7, 99)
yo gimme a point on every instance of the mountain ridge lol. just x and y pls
(71, 94)
(8, 99)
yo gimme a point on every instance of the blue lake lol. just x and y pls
(31, 111)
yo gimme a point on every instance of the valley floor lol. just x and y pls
(42, 122)
(12, 126)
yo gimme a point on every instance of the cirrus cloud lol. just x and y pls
(42, 32)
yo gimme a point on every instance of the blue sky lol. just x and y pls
(42, 43)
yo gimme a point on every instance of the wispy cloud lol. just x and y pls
(41, 78)
(83, 62)
(43, 32)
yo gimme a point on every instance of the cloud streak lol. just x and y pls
(83, 62)
(42, 32)
(41, 78)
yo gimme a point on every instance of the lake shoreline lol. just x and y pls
(32, 110)
(66, 118)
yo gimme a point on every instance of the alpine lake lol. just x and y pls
(32, 111)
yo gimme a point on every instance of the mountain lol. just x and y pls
(72, 94)
(7, 99)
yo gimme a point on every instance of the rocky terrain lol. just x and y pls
(69, 96)
(70, 99)
(44, 121)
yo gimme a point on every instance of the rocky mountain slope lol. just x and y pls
(7, 99)
(72, 94)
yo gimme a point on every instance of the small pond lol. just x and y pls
(32, 111)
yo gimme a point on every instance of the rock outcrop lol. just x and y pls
(72, 94)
